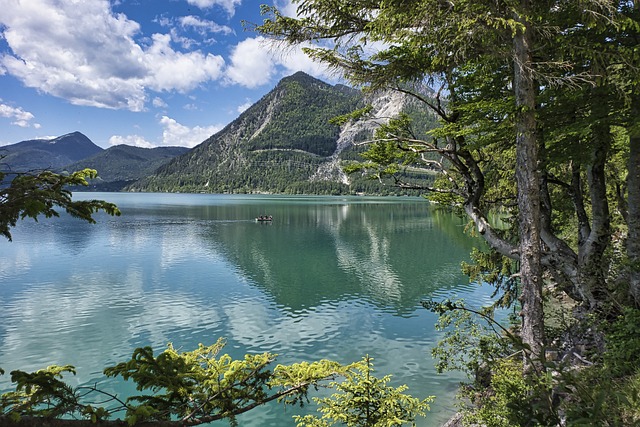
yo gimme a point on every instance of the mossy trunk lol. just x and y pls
(529, 198)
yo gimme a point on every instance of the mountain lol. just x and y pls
(117, 166)
(39, 154)
(284, 143)
(278, 142)
(120, 165)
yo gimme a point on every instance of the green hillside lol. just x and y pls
(275, 146)
(51, 154)
(120, 165)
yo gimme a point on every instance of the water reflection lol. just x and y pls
(329, 278)
(388, 255)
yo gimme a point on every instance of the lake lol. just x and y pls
(329, 277)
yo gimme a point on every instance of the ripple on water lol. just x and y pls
(160, 277)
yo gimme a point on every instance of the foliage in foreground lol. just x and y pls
(365, 400)
(201, 386)
(570, 390)
(31, 195)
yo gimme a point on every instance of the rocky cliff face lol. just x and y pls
(285, 143)
(384, 106)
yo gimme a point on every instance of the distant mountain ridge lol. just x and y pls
(38, 154)
(117, 166)
(121, 165)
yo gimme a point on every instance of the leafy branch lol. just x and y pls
(183, 388)
(30, 195)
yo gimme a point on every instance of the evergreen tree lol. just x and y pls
(30, 195)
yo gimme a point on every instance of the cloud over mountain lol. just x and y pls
(19, 116)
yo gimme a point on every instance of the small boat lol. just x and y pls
(262, 218)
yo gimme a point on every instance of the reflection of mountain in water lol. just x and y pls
(392, 254)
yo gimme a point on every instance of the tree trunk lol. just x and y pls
(591, 250)
(633, 201)
(528, 181)
(633, 192)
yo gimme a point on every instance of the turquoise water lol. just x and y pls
(329, 277)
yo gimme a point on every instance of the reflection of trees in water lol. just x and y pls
(393, 254)
(399, 256)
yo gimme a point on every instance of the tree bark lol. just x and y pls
(591, 250)
(558, 257)
(528, 181)
(633, 201)
(633, 190)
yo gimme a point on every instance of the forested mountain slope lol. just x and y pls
(284, 143)
(40, 154)
(278, 142)
(122, 164)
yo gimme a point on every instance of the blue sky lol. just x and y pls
(139, 72)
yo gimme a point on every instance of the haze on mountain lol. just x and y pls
(121, 165)
(117, 166)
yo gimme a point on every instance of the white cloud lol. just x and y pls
(178, 71)
(185, 42)
(135, 140)
(228, 5)
(83, 52)
(20, 117)
(173, 134)
(254, 61)
(252, 64)
(159, 103)
(244, 107)
(203, 26)
(176, 134)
